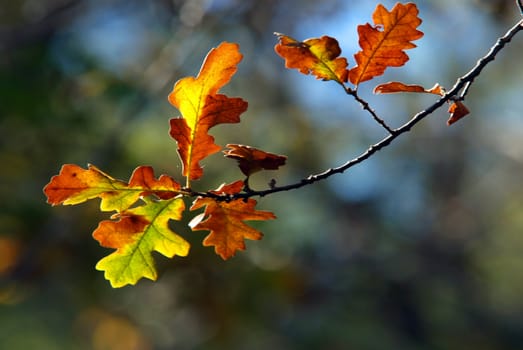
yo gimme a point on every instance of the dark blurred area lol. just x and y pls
(420, 247)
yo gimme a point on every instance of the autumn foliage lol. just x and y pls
(146, 208)
(145, 205)
(202, 108)
(224, 220)
(383, 44)
(319, 57)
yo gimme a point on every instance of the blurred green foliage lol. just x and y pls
(418, 248)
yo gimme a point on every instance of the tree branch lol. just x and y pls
(365, 105)
(463, 82)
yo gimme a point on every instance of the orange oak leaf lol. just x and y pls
(74, 185)
(135, 235)
(225, 220)
(202, 107)
(251, 160)
(383, 44)
(396, 86)
(457, 111)
(316, 56)
(143, 178)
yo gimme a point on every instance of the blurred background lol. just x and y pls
(419, 247)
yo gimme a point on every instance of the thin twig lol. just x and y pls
(365, 105)
(465, 80)
(465, 90)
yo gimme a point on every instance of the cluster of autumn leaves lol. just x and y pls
(382, 46)
(145, 206)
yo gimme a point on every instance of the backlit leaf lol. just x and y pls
(135, 235)
(383, 44)
(316, 56)
(457, 111)
(143, 178)
(396, 87)
(225, 220)
(74, 185)
(202, 107)
(251, 160)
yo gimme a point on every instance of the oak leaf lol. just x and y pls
(383, 44)
(251, 160)
(457, 111)
(225, 220)
(316, 56)
(135, 235)
(74, 185)
(202, 107)
(144, 207)
(396, 87)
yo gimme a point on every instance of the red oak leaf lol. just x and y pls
(225, 220)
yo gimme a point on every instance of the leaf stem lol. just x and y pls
(365, 105)
(465, 90)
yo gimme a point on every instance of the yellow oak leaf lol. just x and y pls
(202, 107)
(135, 235)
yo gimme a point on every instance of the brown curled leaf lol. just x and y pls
(393, 87)
(457, 111)
(251, 160)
